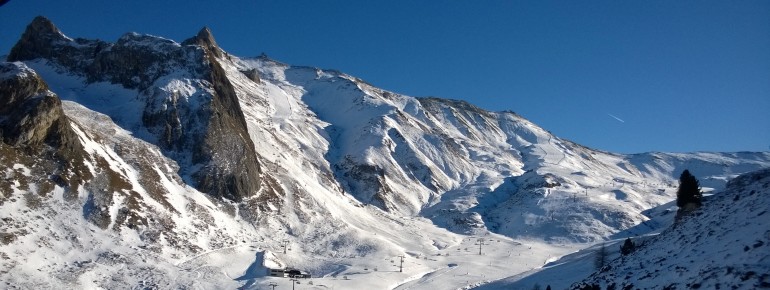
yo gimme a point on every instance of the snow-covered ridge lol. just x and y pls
(451, 161)
(721, 245)
(15, 70)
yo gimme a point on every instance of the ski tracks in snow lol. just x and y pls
(545, 152)
(427, 278)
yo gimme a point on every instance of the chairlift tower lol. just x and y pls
(285, 244)
(272, 284)
(480, 242)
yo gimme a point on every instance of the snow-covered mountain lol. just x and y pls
(152, 163)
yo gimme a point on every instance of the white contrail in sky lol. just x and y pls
(616, 118)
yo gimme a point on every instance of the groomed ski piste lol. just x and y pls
(457, 266)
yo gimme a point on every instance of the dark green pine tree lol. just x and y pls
(688, 196)
(600, 259)
(627, 247)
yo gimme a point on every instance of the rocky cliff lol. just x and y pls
(198, 122)
(33, 126)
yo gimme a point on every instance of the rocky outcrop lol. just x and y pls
(203, 129)
(30, 115)
(205, 39)
(32, 123)
(231, 166)
(36, 40)
(253, 75)
(137, 61)
(42, 39)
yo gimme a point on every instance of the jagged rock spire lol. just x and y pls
(43, 26)
(205, 39)
(36, 40)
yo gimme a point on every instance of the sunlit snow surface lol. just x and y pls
(723, 245)
(448, 175)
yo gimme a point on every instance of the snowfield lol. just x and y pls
(354, 180)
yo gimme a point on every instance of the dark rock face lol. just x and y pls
(253, 75)
(366, 180)
(42, 39)
(30, 115)
(137, 61)
(205, 39)
(32, 123)
(205, 131)
(233, 170)
(36, 40)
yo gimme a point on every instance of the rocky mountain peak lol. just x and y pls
(205, 39)
(36, 40)
(208, 134)
(42, 25)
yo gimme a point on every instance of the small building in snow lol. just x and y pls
(288, 273)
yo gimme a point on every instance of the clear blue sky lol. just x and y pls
(682, 75)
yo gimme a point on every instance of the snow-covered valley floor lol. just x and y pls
(457, 266)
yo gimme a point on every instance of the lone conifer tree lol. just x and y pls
(688, 196)
(627, 247)
(601, 258)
